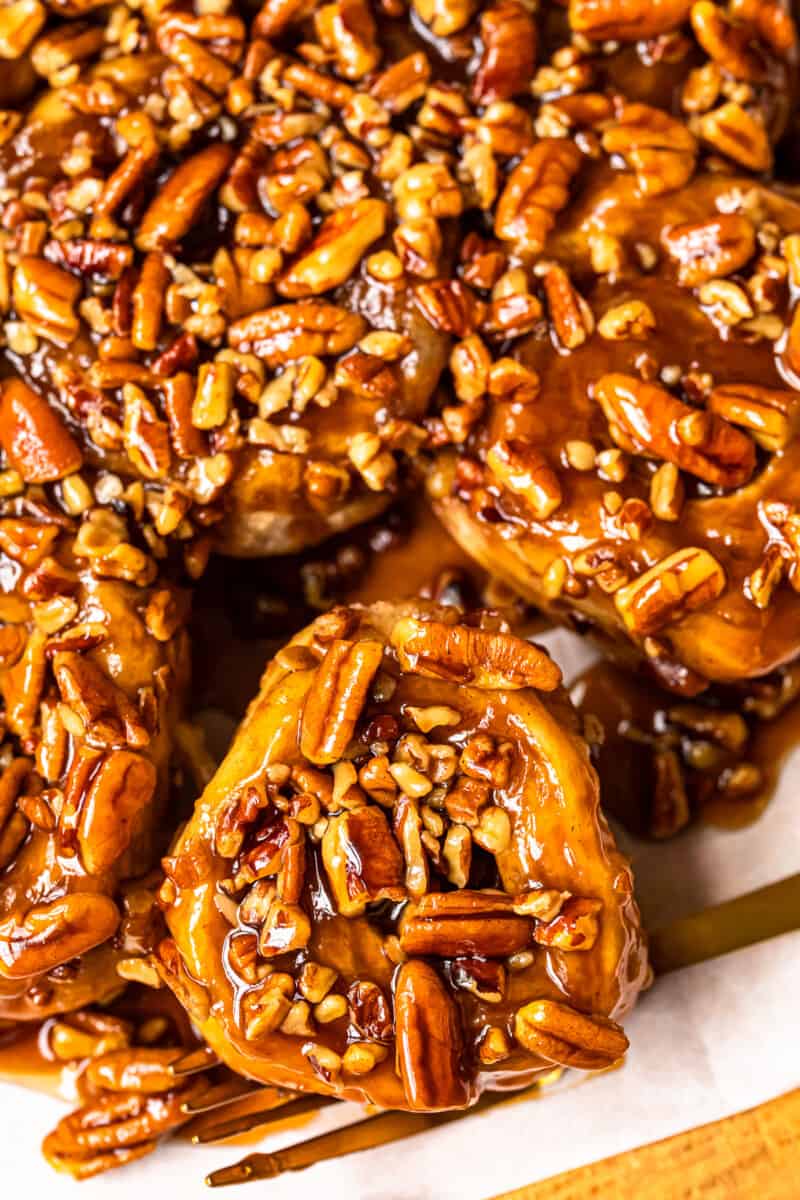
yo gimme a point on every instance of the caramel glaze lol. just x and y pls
(560, 840)
(637, 721)
(726, 640)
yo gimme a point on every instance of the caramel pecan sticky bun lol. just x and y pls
(93, 662)
(633, 462)
(637, 465)
(209, 291)
(399, 886)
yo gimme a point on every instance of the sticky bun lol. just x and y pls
(93, 664)
(399, 886)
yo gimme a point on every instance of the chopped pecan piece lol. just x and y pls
(429, 1040)
(336, 699)
(445, 17)
(101, 705)
(370, 1012)
(487, 660)
(575, 928)
(526, 472)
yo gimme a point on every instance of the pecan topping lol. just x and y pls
(536, 191)
(647, 420)
(51, 934)
(487, 660)
(658, 148)
(45, 297)
(627, 20)
(34, 437)
(338, 247)
(120, 790)
(337, 697)
(362, 860)
(770, 415)
(134, 1099)
(707, 249)
(510, 42)
(294, 330)
(679, 584)
(179, 202)
(463, 923)
(429, 1040)
(573, 1039)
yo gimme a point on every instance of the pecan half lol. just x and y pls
(179, 201)
(735, 132)
(661, 150)
(465, 924)
(730, 46)
(536, 191)
(627, 20)
(136, 1100)
(45, 297)
(706, 250)
(488, 660)
(563, 1035)
(34, 437)
(682, 582)
(338, 247)
(362, 860)
(121, 788)
(51, 934)
(770, 415)
(336, 699)
(646, 419)
(429, 1040)
(289, 331)
(510, 42)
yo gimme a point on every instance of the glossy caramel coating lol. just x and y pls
(367, 878)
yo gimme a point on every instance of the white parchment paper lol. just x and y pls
(706, 1042)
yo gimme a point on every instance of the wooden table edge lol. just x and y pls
(752, 1154)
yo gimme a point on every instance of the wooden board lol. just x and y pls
(752, 1156)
